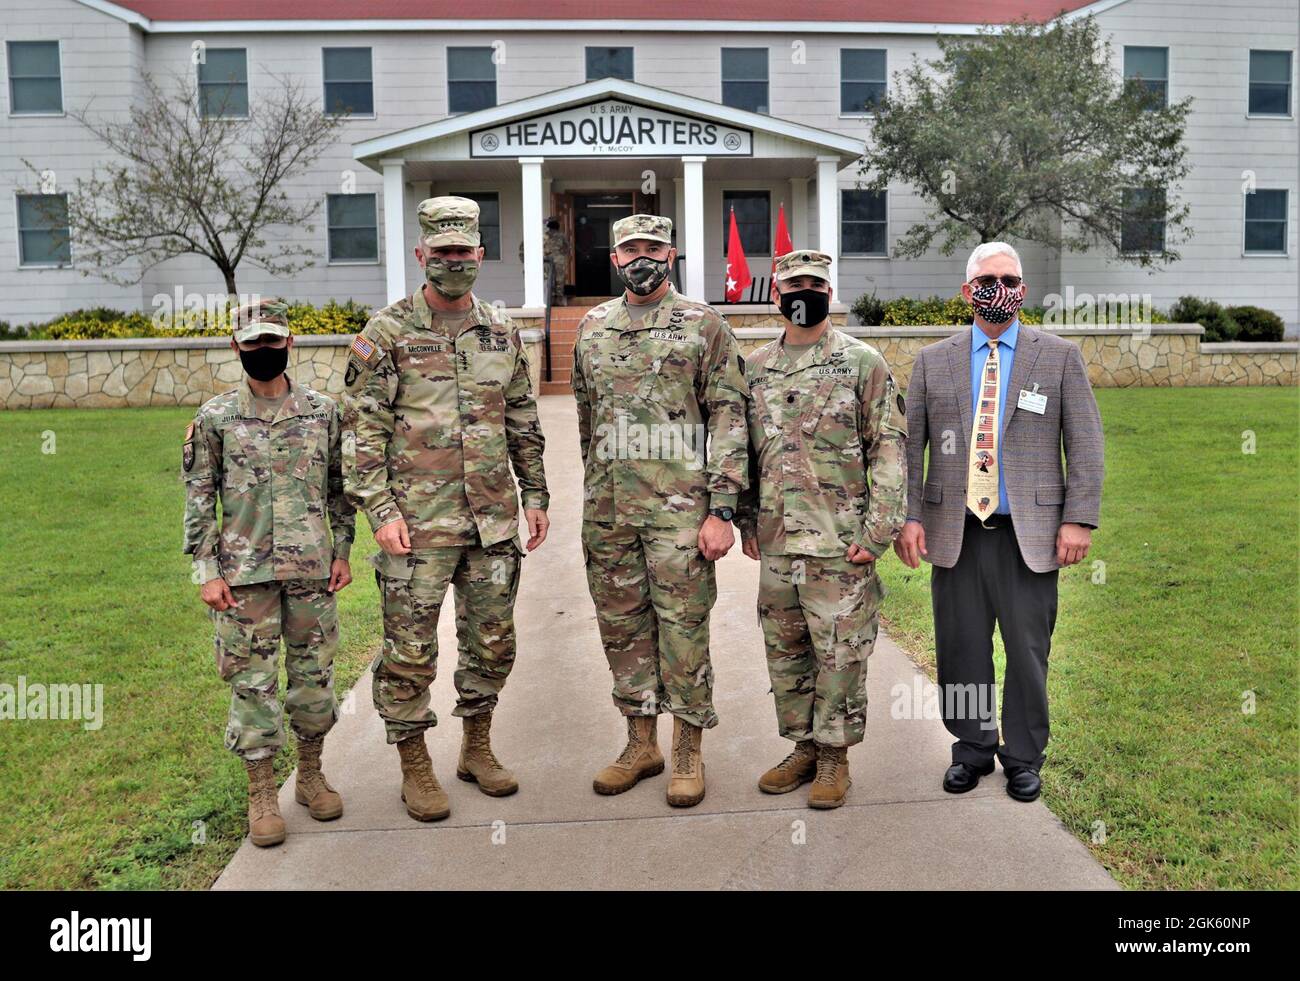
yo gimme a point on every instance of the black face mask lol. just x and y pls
(805, 308)
(265, 363)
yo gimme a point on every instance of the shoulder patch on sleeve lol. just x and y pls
(362, 348)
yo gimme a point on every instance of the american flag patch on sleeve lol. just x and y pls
(362, 348)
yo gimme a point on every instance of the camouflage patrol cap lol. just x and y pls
(260, 318)
(449, 221)
(654, 227)
(804, 262)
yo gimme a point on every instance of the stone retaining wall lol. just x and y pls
(1117, 357)
(189, 371)
(165, 370)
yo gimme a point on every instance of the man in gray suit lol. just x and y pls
(995, 514)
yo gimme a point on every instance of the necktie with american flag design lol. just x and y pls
(982, 473)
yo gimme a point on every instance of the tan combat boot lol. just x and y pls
(424, 798)
(832, 782)
(265, 826)
(686, 788)
(640, 757)
(478, 764)
(792, 772)
(310, 787)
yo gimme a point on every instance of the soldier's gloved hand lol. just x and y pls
(394, 538)
(715, 538)
(749, 546)
(538, 525)
(217, 595)
(859, 555)
(340, 575)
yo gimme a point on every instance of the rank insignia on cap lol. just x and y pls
(363, 348)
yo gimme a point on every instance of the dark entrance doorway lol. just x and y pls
(593, 219)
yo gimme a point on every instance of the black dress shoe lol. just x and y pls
(1023, 784)
(962, 777)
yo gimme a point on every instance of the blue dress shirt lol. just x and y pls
(979, 353)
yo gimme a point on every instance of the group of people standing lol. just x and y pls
(803, 447)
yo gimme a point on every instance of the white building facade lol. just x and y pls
(591, 119)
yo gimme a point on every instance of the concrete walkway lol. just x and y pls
(556, 726)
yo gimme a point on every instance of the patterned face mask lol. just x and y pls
(451, 278)
(643, 274)
(997, 303)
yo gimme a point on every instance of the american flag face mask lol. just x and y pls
(997, 303)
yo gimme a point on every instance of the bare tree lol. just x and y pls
(187, 177)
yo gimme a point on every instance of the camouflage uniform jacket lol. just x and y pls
(433, 423)
(276, 480)
(819, 424)
(648, 392)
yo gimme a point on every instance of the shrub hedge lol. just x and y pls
(100, 322)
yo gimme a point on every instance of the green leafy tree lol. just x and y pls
(1027, 132)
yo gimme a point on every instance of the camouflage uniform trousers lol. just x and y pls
(303, 612)
(486, 581)
(819, 619)
(653, 592)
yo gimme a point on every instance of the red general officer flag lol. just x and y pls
(738, 278)
(783, 243)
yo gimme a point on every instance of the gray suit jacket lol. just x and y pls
(939, 413)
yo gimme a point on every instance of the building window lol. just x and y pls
(489, 220)
(863, 79)
(35, 83)
(1270, 83)
(1266, 222)
(349, 82)
(223, 82)
(353, 230)
(753, 218)
(471, 79)
(1148, 68)
(744, 78)
(44, 238)
(862, 223)
(609, 63)
(1143, 228)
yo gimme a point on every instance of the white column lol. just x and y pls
(797, 213)
(534, 273)
(693, 211)
(828, 214)
(394, 228)
(679, 212)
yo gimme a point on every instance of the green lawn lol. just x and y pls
(1200, 545)
(95, 589)
(1150, 668)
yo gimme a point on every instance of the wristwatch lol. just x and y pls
(726, 514)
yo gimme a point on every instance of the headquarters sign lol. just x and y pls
(611, 128)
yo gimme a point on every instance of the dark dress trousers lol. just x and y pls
(1005, 573)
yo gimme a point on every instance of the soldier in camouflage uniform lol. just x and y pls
(269, 452)
(439, 406)
(555, 259)
(661, 392)
(826, 499)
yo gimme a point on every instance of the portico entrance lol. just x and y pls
(592, 154)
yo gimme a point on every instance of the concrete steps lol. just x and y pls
(564, 332)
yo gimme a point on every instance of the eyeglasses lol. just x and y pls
(1010, 282)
